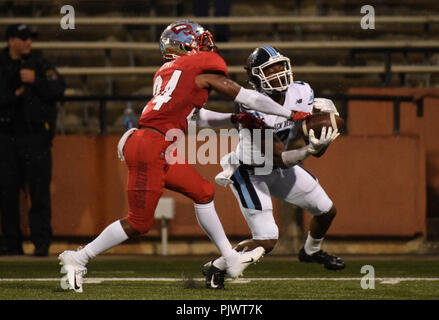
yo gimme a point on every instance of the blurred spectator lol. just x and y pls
(221, 32)
(29, 86)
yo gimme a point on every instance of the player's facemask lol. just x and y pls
(274, 81)
(206, 42)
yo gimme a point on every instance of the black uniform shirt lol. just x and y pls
(35, 110)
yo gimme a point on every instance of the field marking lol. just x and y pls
(389, 280)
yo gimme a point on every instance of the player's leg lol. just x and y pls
(305, 192)
(255, 203)
(183, 178)
(146, 172)
(320, 223)
(254, 200)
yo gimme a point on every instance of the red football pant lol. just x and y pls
(149, 174)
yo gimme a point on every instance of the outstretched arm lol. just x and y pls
(211, 119)
(250, 98)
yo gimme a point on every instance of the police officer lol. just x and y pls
(29, 87)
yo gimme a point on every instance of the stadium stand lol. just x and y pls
(113, 49)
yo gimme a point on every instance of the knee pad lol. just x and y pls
(262, 225)
(317, 202)
(205, 193)
(140, 225)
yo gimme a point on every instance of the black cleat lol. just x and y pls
(329, 261)
(206, 267)
(214, 277)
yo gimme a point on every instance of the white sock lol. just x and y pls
(312, 245)
(211, 224)
(109, 238)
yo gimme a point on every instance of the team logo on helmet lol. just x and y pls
(183, 37)
(259, 61)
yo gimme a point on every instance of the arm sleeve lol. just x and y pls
(208, 118)
(7, 94)
(292, 157)
(259, 102)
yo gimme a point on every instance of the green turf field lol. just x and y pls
(179, 278)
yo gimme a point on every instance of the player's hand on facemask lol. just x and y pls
(326, 137)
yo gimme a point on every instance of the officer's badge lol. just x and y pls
(51, 75)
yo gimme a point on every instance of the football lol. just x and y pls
(319, 120)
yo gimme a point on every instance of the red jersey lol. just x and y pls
(175, 92)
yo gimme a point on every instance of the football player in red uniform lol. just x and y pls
(182, 84)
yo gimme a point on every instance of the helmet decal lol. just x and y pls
(270, 51)
(183, 37)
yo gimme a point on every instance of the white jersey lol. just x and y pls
(299, 97)
(294, 185)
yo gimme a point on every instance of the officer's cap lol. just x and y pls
(21, 31)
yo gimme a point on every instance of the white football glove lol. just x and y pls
(316, 145)
(229, 163)
(325, 105)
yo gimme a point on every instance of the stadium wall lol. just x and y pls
(379, 121)
(377, 183)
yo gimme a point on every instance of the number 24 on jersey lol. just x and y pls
(161, 98)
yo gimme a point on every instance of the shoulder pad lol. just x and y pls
(306, 91)
(205, 62)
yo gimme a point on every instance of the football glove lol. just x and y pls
(325, 105)
(248, 120)
(300, 115)
(326, 137)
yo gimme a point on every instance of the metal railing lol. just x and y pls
(232, 20)
(387, 70)
(245, 45)
(342, 98)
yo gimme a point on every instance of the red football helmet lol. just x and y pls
(183, 37)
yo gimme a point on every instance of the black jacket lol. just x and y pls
(35, 110)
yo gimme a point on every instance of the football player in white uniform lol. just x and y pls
(270, 72)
